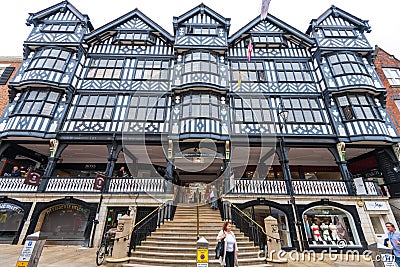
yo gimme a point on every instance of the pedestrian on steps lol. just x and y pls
(230, 255)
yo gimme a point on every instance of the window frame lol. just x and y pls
(197, 103)
(291, 75)
(345, 66)
(351, 111)
(82, 106)
(38, 103)
(97, 67)
(257, 73)
(144, 37)
(298, 107)
(41, 57)
(391, 77)
(144, 111)
(53, 25)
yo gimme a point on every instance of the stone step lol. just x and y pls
(249, 248)
(207, 235)
(158, 243)
(186, 255)
(136, 262)
(191, 238)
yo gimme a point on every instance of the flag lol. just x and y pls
(264, 8)
(239, 78)
(249, 50)
(33, 177)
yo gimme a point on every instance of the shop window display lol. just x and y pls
(329, 226)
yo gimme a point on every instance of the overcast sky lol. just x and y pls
(383, 15)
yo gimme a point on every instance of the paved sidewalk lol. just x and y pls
(76, 256)
(52, 256)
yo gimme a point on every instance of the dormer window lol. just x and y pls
(268, 40)
(59, 28)
(140, 38)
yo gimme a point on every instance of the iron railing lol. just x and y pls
(247, 226)
(142, 229)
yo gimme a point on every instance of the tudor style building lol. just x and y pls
(295, 127)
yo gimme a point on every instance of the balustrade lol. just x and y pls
(257, 186)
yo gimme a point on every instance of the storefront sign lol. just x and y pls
(99, 182)
(375, 205)
(11, 207)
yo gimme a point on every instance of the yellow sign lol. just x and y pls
(22, 264)
(202, 255)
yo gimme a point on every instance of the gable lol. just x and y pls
(134, 26)
(269, 33)
(59, 13)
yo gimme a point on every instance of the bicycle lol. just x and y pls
(106, 246)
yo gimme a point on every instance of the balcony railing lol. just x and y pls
(85, 184)
(256, 186)
(300, 187)
(315, 187)
(15, 184)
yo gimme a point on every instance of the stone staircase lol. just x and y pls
(174, 243)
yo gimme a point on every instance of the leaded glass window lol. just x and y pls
(360, 107)
(150, 69)
(347, 63)
(304, 110)
(248, 71)
(128, 37)
(38, 102)
(147, 108)
(50, 58)
(59, 28)
(251, 110)
(200, 105)
(105, 68)
(200, 62)
(94, 107)
(293, 71)
(392, 75)
(339, 33)
(203, 30)
(268, 40)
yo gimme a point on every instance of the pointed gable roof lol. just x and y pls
(127, 22)
(341, 17)
(71, 13)
(276, 25)
(202, 9)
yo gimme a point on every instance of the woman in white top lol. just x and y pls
(229, 258)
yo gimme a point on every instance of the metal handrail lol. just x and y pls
(259, 226)
(136, 224)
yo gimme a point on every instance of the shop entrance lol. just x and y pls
(113, 215)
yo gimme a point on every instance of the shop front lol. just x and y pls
(12, 216)
(64, 222)
(327, 225)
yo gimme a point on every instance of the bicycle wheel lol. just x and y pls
(101, 255)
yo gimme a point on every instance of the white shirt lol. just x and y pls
(230, 241)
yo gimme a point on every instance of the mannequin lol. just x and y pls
(334, 232)
(325, 232)
(316, 233)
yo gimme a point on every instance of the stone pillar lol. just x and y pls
(273, 240)
(122, 237)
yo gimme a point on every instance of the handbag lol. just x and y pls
(219, 249)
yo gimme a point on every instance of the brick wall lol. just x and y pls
(12, 62)
(385, 60)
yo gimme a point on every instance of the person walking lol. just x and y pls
(230, 255)
(394, 239)
(213, 198)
